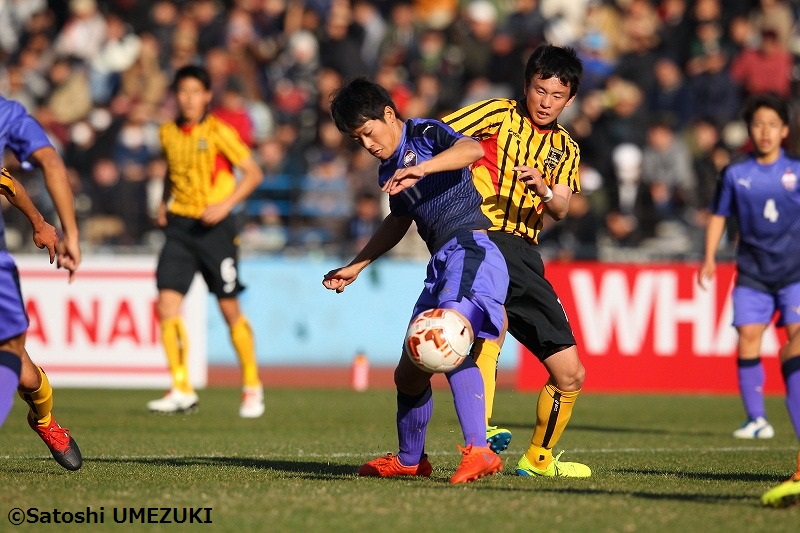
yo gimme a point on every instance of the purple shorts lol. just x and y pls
(13, 319)
(468, 274)
(751, 306)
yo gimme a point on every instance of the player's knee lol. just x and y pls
(571, 379)
(409, 379)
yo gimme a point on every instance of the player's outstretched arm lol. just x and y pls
(44, 235)
(463, 153)
(58, 186)
(386, 237)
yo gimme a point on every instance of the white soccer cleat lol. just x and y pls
(252, 405)
(755, 429)
(173, 402)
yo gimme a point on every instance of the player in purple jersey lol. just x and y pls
(24, 137)
(762, 193)
(466, 272)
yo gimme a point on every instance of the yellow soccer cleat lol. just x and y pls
(556, 468)
(787, 493)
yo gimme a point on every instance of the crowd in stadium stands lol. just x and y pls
(656, 116)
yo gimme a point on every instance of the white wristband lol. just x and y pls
(548, 195)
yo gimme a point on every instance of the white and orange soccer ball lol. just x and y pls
(438, 340)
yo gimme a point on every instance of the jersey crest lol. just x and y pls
(410, 158)
(553, 157)
(789, 180)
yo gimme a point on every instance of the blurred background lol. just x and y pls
(656, 116)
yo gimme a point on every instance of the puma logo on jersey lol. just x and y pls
(426, 128)
(514, 134)
(744, 182)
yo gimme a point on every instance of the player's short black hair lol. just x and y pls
(192, 71)
(768, 100)
(359, 101)
(551, 61)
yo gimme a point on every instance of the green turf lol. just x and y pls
(660, 463)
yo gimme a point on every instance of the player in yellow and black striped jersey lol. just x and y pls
(529, 169)
(200, 192)
(511, 140)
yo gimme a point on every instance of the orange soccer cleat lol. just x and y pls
(389, 466)
(476, 462)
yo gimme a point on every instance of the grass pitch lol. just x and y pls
(660, 464)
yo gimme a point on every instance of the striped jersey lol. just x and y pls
(201, 160)
(510, 139)
(765, 200)
(443, 203)
(21, 134)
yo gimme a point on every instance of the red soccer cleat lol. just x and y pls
(62, 446)
(389, 466)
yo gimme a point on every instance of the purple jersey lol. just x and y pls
(765, 200)
(20, 133)
(441, 204)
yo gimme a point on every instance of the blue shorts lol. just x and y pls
(751, 306)
(13, 318)
(468, 272)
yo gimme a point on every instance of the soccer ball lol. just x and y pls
(438, 340)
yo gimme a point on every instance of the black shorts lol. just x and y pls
(191, 247)
(536, 317)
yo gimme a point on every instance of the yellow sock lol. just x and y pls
(40, 401)
(245, 346)
(553, 411)
(176, 346)
(486, 354)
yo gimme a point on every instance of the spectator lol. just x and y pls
(671, 95)
(667, 170)
(766, 69)
(713, 92)
(84, 32)
(105, 225)
(144, 80)
(631, 218)
(118, 52)
(70, 98)
(342, 41)
(231, 107)
(374, 29)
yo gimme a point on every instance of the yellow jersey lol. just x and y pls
(200, 160)
(509, 138)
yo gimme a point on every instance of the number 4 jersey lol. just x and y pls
(765, 200)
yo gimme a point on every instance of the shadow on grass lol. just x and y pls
(704, 476)
(311, 469)
(605, 429)
(723, 499)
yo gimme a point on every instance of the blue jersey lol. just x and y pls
(20, 133)
(765, 200)
(443, 203)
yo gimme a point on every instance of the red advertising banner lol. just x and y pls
(651, 328)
